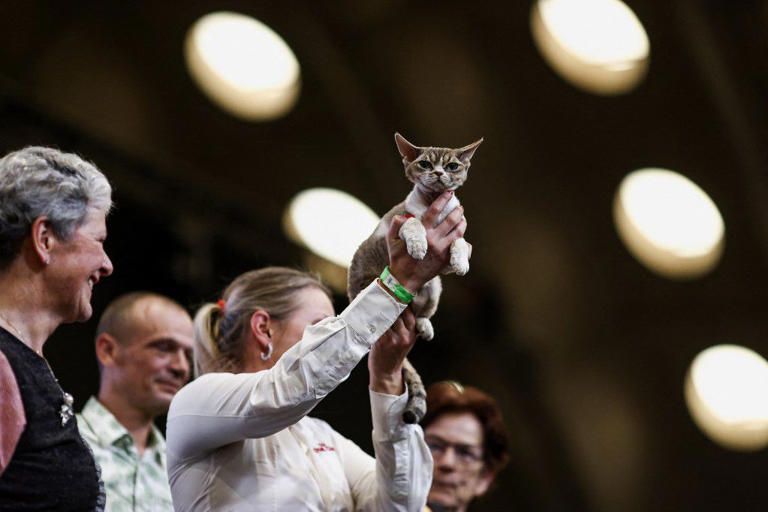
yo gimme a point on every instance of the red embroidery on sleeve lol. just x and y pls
(322, 447)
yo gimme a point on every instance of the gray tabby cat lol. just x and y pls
(432, 171)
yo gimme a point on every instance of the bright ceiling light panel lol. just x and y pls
(726, 390)
(243, 66)
(331, 223)
(597, 45)
(668, 223)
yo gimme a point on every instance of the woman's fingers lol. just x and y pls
(440, 242)
(414, 273)
(404, 330)
(433, 212)
(459, 230)
(409, 320)
(449, 222)
(399, 330)
(394, 227)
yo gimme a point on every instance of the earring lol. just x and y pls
(46, 260)
(266, 355)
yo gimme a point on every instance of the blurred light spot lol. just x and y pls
(333, 275)
(726, 390)
(668, 223)
(242, 65)
(329, 222)
(597, 45)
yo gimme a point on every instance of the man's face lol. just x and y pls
(152, 361)
(456, 442)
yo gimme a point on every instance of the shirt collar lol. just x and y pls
(110, 431)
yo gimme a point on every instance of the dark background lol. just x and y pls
(585, 349)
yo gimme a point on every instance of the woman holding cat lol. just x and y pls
(242, 440)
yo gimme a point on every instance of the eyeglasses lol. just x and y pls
(465, 453)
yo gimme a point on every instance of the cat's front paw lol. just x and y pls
(417, 248)
(460, 257)
(460, 267)
(415, 237)
(424, 329)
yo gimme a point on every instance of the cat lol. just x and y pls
(432, 171)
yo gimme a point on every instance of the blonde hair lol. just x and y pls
(222, 328)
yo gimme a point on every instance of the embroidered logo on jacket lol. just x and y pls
(322, 447)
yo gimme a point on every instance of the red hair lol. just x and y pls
(451, 397)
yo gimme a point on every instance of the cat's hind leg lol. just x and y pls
(425, 305)
(424, 329)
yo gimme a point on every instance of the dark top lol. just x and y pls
(52, 468)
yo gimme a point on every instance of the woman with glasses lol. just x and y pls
(465, 432)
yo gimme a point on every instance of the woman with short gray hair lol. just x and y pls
(53, 208)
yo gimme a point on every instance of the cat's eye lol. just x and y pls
(452, 166)
(424, 164)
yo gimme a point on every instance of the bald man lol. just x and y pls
(144, 349)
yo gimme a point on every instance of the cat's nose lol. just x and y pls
(438, 172)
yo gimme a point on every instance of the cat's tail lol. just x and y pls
(416, 407)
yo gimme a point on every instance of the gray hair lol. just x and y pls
(38, 181)
(221, 329)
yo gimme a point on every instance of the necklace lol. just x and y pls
(66, 411)
(17, 332)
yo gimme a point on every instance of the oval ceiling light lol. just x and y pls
(597, 45)
(668, 223)
(329, 222)
(726, 390)
(242, 65)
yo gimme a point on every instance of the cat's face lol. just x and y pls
(436, 169)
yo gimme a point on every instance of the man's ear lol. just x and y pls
(260, 329)
(43, 239)
(106, 349)
(484, 482)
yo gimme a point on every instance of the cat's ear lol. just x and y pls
(465, 153)
(407, 150)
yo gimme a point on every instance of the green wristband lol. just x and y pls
(400, 291)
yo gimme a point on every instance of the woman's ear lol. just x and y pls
(260, 328)
(43, 239)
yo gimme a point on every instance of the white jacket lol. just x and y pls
(243, 441)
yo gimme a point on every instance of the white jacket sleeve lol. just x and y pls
(221, 408)
(400, 476)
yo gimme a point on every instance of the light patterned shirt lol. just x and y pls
(133, 483)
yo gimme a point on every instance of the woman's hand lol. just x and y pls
(413, 273)
(385, 362)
